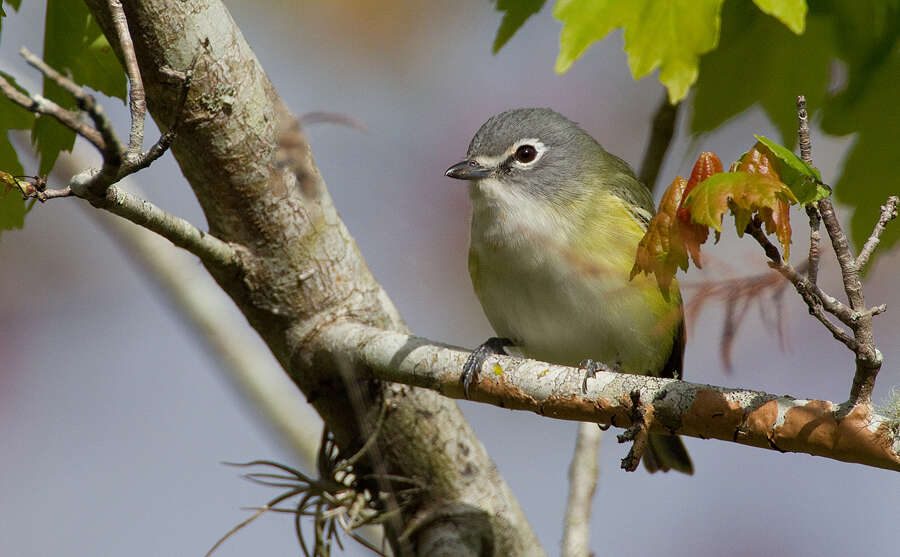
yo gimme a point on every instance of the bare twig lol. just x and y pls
(849, 270)
(113, 149)
(165, 140)
(53, 193)
(175, 229)
(582, 484)
(136, 99)
(812, 211)
(888, 213)
(180, 232)
(856, 317)
(807, 290)
(660, 138)
(42, 105)
(103, 135)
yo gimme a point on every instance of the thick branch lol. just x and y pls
(302, 270)
(754, 418)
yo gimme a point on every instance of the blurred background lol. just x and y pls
(114, 417)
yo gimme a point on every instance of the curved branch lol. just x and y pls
(786, 424)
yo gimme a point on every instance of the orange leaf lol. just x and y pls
(744, 194)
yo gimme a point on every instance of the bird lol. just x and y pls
(555, 225)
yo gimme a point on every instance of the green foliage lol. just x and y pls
(73, 44)
(865, 36)
(790, 12)
(12, 206)
(804, 180)
(869, 45)
(669, 35)
(757, 62)
(515, 13)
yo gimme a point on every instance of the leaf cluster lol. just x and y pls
(759, 188)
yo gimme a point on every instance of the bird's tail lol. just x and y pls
(667, 452)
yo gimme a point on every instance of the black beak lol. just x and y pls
(467, 170)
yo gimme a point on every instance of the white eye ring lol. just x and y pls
(535, 144)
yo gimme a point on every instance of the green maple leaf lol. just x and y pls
(790, 12)
(667, 35)
(744, 194)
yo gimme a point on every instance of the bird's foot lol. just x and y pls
(591, 368)
(490, 347)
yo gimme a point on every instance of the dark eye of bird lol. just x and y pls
(526, 153)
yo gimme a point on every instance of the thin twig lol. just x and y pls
(660, 138)
(53, 193)
(812, 211)
(41, 105)
(888, 213)
(849, 270)
(807, 290)
(113, 149)
(137, 102)
(582, 484)
(165, 140)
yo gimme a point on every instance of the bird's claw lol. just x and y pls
(591, 368)
(490, 347)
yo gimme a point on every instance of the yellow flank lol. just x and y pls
(498, 370)
(609, 238)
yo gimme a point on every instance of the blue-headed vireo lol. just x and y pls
(556, 221)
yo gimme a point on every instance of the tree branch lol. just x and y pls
(888, 213)
(112, 150)
(582, 483)
(40, 105)
(786, 424)
(812, 211)
(136, 98)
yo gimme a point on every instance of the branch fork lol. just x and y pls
(855, 315)
(98, 185)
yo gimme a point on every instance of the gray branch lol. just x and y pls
(846, 432)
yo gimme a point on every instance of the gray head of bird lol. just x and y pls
(536, 152)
